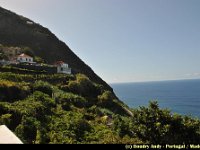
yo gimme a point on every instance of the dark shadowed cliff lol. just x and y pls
(17, 30)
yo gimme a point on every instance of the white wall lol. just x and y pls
(7, 137)
(64, 69)
(25, 59)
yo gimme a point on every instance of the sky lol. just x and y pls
(124, 40)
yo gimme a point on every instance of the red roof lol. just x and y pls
(59, 63)
(24, 55)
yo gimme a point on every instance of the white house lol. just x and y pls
(63, 68)
(23, 58)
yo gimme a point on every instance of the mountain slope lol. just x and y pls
(16, 30)
(71, 109)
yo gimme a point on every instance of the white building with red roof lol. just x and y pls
(62, 67)
(23, 58)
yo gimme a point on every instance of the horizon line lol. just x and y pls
(126, 82)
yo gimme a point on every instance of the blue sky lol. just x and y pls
(124, 40)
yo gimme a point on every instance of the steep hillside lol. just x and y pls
(59, 108)
(68, 109)
(16, 30)
(42, 107)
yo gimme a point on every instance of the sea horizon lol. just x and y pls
(179, 96)
(146, 81)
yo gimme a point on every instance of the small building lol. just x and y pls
(8, 137)
(23, 58)
(63, 67)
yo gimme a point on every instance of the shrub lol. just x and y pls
(44, 98)
(86, 87)
(5, 119)
(73, 87)
(67, 99)
(27, 130)
(83, 86)
(12, 91)
(16, 77)
(159, 126)
(38, 59)
(68, 128)
(101, 134)
(44, 87)
(65, 88)
(106, 98)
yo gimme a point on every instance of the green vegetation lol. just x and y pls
(12, 91)
(160, 126)
(44, 108)
(59, 108)
(39, 60)
(74, 109)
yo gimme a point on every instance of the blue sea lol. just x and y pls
(180, 96)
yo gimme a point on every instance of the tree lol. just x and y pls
(44, 87)
(28, 51)
(155, 125)
(39, 59)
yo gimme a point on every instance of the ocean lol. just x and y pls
(179, 96)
